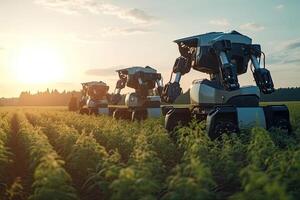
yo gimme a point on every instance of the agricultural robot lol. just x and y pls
(94, 98)
(145, 101)
(220, 100)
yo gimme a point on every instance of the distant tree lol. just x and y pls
(47, 98)
(55, 98)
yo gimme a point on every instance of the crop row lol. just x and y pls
(50, 179)
(134, 170)
(5, 154)
(120, 135)
(80, 151)
(228, 168)
(254, 165)
(109, 159)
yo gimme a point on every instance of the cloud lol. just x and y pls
(291, 61)
(252, 27)
(219, 22)
(287, 53)
(292, 45)
(133, 15)
(283, 58)
(279, 7)
(111, 71)
(273, 58)
(112, 31)
(137, 16)
(103, 34)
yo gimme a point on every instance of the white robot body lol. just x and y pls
(154, 110)
(134, 70)
(133, 100)
(93, 100)
(144, 102)
(208, 38)
(201, 93)
(243, 117)
(96, 103)
(152, 102)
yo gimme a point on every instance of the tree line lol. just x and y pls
(283, 94)
(56, 98)
(46, 98)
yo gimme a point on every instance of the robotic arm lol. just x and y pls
(228, 70)
(182, 65)
(120, 85)
(261, 76)
(116, 97)
(172, 89)
(159, 84)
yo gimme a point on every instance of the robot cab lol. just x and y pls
(94, 98)
(203, 51)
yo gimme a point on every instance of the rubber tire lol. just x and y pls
(122, 114)
(166, 109)
(177, 116)
(138, 115)
(111, 111)
(84, 111)
(282, 124)
(93, 111)
(225, 126)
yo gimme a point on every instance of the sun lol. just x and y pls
(38, 65)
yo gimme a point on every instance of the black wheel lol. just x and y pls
(122, 114)
(226, 127)
(93, 111)
(111, 111)
(84, 111)
(139, 115)
(282, 124)
(116, 114)
(166, 109)
(277, 116)
(177, 116)
(222, 120)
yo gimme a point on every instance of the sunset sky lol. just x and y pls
(61, 43)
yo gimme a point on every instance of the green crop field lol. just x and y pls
(50, 153)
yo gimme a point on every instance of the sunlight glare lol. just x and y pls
(38, 65)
